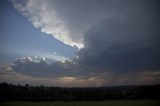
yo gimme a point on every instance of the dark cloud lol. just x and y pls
(126, 43)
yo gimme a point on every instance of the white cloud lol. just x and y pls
(54, 53)
(24, 59)
(44, 17)
(67, 21)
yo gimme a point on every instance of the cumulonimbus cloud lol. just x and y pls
(123, 45)
(119, 38)
(66, 20)
(112, 31)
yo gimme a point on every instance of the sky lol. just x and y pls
(80, 43)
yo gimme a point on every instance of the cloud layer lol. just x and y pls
(120, 41)
(123, 45)
(44, 16)
(27, 70)
(67, 21)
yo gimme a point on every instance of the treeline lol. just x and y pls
(9, 92)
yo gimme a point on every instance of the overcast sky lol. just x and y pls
(79, 43)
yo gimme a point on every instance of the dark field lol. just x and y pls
(104, 103)
(17, 95)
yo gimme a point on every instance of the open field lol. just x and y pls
(104, 103)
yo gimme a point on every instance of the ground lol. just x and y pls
(104, 103)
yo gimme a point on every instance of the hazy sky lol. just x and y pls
(80, 42)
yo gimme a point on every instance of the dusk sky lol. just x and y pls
(80, 43)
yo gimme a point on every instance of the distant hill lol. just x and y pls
(9, 92)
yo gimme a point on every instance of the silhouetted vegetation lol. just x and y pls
(40, 93)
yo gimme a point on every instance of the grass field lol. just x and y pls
(104, 103)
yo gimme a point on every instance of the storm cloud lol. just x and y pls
(118, 42)
(126, 43)
(68, 20)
